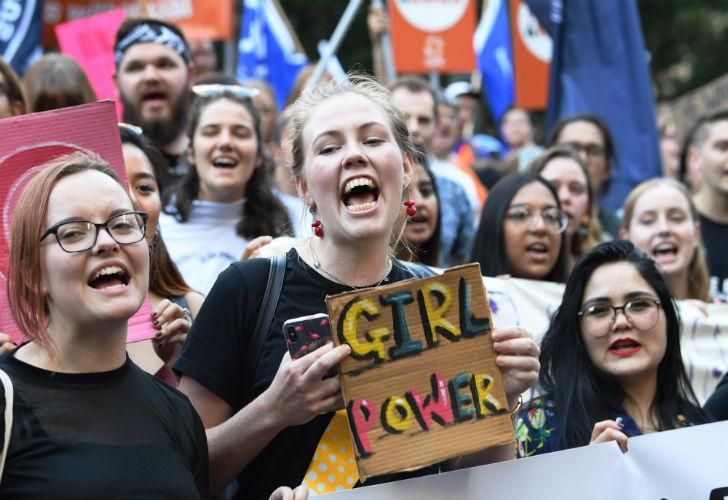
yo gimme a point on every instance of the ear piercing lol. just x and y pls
(318, 229)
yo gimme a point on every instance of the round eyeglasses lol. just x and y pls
(526, 216)
(80, 235)
(598, 319)
(590, 149)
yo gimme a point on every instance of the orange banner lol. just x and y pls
(433, 35)
(532, 48)
(199, 19)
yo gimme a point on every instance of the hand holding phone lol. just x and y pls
(306, 334)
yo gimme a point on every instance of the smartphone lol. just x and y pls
(306, 334)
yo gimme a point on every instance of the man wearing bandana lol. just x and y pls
(153, 77)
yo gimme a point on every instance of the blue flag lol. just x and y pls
(21, 24)
(267, 48)
(492, 44)
(600, 67)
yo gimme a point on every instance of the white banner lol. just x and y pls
(684, 464)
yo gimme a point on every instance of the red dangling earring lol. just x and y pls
(318, 230)
(411, 208)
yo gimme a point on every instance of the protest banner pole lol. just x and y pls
(287, 22)
(435, 80)
(339, 32)
(386, 44)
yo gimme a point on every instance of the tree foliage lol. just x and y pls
(687, 41)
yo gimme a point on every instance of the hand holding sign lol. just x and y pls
(517, 359)
(609, 430)
(422, 384)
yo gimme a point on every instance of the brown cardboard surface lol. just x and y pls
(385, 391)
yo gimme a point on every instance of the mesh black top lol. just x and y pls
(116, 434)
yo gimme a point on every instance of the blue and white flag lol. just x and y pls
(599, 66)
(492, 44)
(21, 25)
(267, 49)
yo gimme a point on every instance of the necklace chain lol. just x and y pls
(318, 267)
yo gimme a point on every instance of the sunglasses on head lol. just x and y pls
(216, 89)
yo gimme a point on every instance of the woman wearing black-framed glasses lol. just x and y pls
(79, 269)
(611, 366)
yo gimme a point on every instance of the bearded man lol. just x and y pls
(153, 75)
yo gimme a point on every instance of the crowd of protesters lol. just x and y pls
(355, 184)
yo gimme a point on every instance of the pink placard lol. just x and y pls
(27, 142)
(90, 41)
(140, 325)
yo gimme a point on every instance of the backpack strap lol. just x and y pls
(8, 413)
(265, 317)
(418, 270)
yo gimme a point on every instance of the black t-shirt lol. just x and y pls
(215, 356)
(717, 404)
(116, 434)
(715, 241)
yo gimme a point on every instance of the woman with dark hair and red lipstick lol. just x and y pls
(611, 366)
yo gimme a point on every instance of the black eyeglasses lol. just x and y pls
(641, 312)
(591, 150)
(526, 216)
(80, 235)
(216, 89)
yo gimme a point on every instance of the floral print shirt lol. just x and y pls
(537, 427)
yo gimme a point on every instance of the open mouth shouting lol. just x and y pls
(664, 252)
(624, 347)
(360, 194)
(537, 251)
(110, 278)
(154, 98)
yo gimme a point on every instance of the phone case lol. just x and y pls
(306, 334)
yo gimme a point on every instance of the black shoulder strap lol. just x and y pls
(418, 270)
(265, 317)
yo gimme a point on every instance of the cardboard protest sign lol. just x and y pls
(31, 140)
(421, 384)
(90, 42)
(433, 36)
